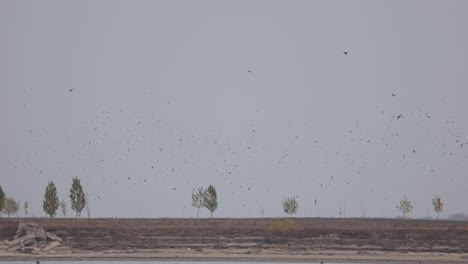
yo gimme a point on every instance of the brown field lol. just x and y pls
(303, 238)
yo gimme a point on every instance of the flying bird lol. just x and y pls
(345, 52)
(393, 95)
(71, 90)
(400, 116)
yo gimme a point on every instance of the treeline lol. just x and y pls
(201, 198)
(51, 203)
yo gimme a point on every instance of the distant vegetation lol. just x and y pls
(51, 200)
(207, 198)
(26, 208)
(211, 199)
(2, 199)
(11, 206)
(438, 205)
(290, 205)
(405, 206)
(77, 197)
(282, 227)
(201, 198)
(63, 208)
(198, 200)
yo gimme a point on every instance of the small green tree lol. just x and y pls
(63, 208)
(210, 199)
(77, 197)
(198, 199)
(438, 205)
(290, 205)
(26, 208)
(405, 206)
(51, 201)
(11, 206)
(2, 199)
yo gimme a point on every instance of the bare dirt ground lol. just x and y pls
(298, 239)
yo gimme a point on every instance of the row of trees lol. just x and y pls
(51, 203)
(406, 207)
(207, 198)
(291, 205)
(201, 198)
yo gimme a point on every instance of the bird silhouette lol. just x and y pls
(345, 52)
(400, 116)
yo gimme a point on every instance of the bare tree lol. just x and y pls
(198, 199)
(405, 206)
(340, 211)
(88, 208)
(438, 205)
(363, 211)
(11, 206)
(63, 208)
(290, 205)
(26, 208)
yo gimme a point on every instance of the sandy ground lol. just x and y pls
(276, 240)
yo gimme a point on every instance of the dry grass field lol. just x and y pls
(287, 235)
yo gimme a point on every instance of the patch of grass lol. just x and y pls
(282, 227)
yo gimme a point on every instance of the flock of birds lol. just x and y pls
(169, 155)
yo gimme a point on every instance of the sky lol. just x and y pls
(146, 100)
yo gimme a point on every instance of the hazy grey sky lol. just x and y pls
(146, 100)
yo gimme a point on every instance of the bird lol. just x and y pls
(345, 52)
(71, 90)
(393, 95)
(400, 116)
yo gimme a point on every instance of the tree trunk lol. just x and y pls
(211, 216)
(198, 211)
